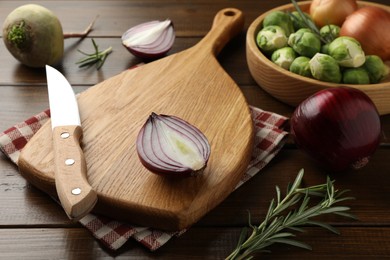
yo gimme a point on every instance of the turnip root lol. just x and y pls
(33, 35)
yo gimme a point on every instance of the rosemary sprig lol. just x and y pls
(98, 57)
(276, 228)
(308, 23)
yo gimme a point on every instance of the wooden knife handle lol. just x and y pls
(75, 193)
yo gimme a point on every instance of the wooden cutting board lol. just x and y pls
(191, 85)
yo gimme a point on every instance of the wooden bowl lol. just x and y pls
(292, 88)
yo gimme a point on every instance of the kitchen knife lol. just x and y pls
(75, 193)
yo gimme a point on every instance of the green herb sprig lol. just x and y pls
(98, 57)
(310, 24)
(276, 227)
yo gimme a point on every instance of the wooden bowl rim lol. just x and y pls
(254, 28)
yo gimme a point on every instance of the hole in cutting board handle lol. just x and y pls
(229, 13)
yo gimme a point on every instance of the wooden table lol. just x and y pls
(32, 226)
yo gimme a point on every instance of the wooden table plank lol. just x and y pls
(115, 17)
(198, 243)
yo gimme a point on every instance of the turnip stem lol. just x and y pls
(81, 34)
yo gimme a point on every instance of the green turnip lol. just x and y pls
(33, 35)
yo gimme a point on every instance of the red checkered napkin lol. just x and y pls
(268, 141)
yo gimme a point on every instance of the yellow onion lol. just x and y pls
(324, 12)
(370, 25)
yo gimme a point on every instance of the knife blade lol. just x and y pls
(74, 192)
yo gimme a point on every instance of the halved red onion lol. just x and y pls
(168, 145)
(150, 40)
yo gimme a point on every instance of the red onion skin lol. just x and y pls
(339, 127)
(168, 173)
(147, 56)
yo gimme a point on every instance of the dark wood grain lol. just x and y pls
(197, 243)
(33, 226)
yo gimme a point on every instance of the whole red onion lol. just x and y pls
(339, 127)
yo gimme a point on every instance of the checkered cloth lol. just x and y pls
(113, 234)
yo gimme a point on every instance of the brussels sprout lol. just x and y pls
(325, 48)
(356, 76)
(302, 30)
(323, 67)
(284, 57)
(301, 66)
(376, 69)
(271, 38)
(281, 19)
(347, 52)
(297, 20)
(330, 32)
(304, 42)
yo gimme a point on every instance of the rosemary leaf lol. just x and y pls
(293, 243)
(243, 235)
(297, 229)
(304, 204)
(346, 214)
(324, 226)
(297, 182)
(282, 235)
(278, 223)
(278, 194)
(334, 209)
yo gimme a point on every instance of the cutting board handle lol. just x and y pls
(227, 24)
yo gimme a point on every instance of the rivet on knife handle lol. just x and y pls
(75, 193)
